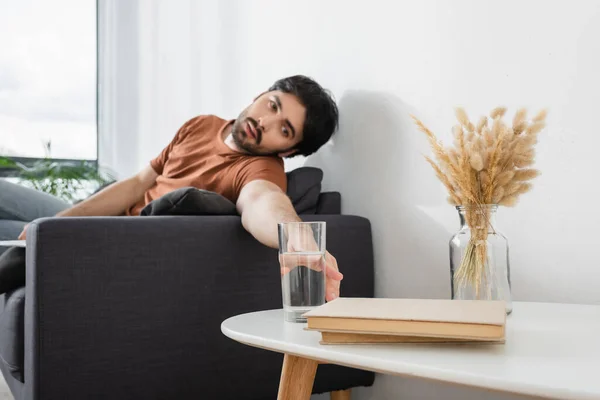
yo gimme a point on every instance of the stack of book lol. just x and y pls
(365, 320)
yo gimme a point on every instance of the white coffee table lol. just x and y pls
(12, 243)
(551, 350)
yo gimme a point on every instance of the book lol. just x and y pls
(450, 319)
(328, 337)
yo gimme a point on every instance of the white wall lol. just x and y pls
(384, 60)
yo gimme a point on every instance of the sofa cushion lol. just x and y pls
(304, 187)
(12, 333)
(329, 203)
(190, 201)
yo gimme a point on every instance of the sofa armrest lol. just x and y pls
(134, 304)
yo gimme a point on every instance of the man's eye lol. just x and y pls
(285, 131)
(272, 105)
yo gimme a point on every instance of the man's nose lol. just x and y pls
(266, 123)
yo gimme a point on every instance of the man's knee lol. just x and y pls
(21, 203)
(10, 230)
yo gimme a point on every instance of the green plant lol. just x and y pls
(70, 181)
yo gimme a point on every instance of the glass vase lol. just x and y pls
(479, 257)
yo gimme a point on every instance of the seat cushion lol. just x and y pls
(12, 334)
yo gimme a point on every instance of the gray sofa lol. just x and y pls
(131, 307)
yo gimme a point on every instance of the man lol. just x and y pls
(239, 159)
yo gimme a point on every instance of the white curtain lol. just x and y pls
(117, 85)
(162, 62)
(144, 76)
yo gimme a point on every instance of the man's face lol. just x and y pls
(272, 125)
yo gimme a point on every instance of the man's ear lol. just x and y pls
(288, 153)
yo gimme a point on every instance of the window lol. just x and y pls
(48, 81)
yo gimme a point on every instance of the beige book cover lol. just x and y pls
(367, 338)
(412, 317)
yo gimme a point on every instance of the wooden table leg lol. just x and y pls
(297, 378)
(340, 395)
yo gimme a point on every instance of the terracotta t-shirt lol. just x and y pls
(199, 157)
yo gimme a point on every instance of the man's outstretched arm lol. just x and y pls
(263, 205)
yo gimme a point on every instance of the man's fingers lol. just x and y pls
(332, 291)
(316, 262)
(333, 278)
(333, 273)
(332, 270)
(23, 234)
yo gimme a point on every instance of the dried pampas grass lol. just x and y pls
(489, 164)
(497, 156)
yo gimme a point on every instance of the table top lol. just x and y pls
(12, 243)
(551, 350)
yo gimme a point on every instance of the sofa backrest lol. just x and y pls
(304, 189)
(329, 203)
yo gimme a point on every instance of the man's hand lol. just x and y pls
(23, 234)
(333, 277)
(263, 205)
(301, 239)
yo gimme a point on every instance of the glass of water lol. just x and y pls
(302, 262)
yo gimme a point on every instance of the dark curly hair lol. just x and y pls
(321, 119)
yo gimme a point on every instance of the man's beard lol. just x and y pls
(238, 133)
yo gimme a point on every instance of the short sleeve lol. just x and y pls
(159, 162)
(261, 168)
